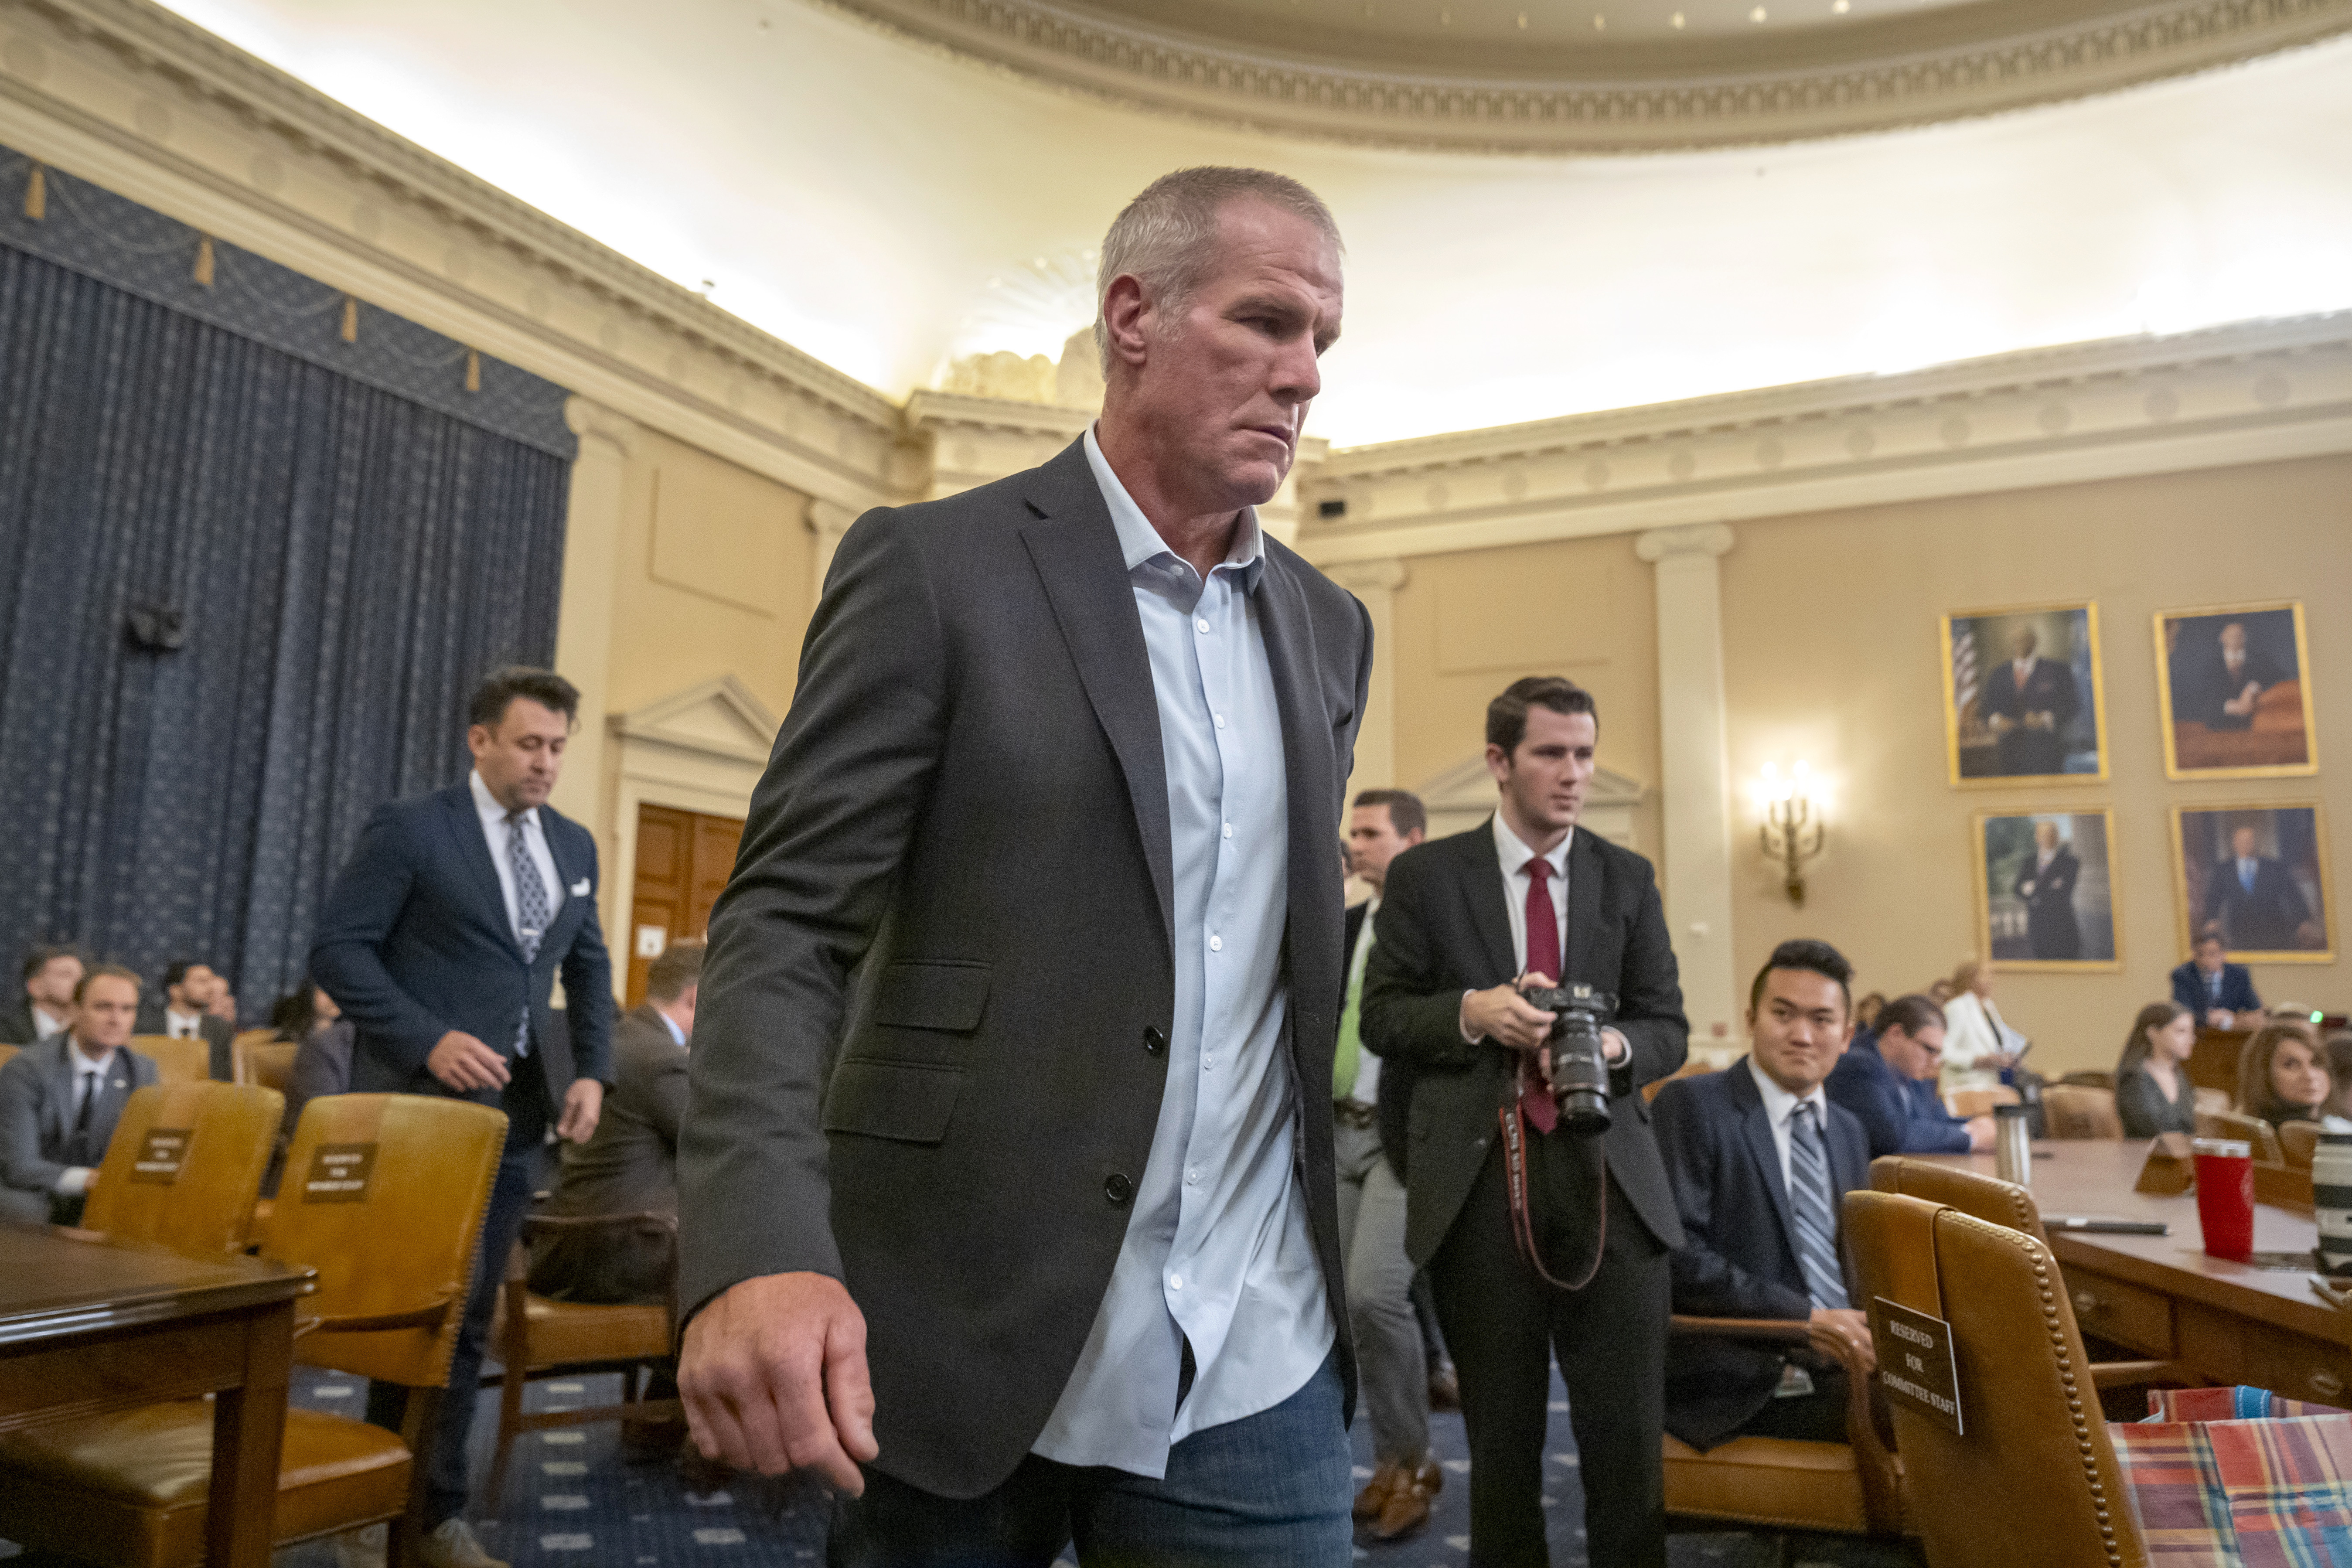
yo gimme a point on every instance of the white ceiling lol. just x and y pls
(884, 206)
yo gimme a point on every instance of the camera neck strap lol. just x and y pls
(1529, 1111)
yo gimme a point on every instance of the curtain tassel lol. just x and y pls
(36, 194)
(204, 261)
(350, 318)
(473, 370)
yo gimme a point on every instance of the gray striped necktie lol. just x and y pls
(1809, 1203)
(530, 910)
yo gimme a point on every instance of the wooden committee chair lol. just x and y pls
(260, 1057)
(549, 1337)
(2298, 1141)
(6, 1052)
(2081, 1111)
(1967, 1103)
(2245, 1129)
(176, 1061)
(384, 1205)
(185, 1167)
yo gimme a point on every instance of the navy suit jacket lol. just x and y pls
(414, 942)
(2264, 920)
(2237, 989)
(1898, 1116)
(1738, 1255)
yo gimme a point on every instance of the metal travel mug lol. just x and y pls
(2012, 1145)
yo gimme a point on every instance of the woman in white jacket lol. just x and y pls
(1978, 1044)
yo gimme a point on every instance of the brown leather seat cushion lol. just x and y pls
(129, 1487)
(563, 1333)
(1767, 1480)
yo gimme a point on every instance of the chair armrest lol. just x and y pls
(426, 1316)
(643, 1220)
(1789, 1330)
(2133, 1374)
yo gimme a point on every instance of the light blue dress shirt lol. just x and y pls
(1218, 1251)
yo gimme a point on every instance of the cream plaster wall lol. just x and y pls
(1831, 654)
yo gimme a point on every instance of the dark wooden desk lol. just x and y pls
(92, 1326)
(2164, 1297)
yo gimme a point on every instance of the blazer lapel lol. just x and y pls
(1756, 1132)
(1313, 794)
(61, 1087)
(1584, 879)
(1490, 911)
(1076, 551)
(464, 826)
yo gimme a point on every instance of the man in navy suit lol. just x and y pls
(441, 942)
(1887, 1079)
(1759, 1158)
(2027, 704)
(2212, 987)
(2256, 900)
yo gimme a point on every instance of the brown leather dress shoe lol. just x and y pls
(1444, 1392)
(1374, 1498)
(1407, 1508)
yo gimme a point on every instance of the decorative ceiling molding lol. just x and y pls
(1623, 101)
(2258, 392)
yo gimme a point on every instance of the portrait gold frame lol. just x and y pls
(2172, 768)
(2106, 816)
(2090, 610)
(2184, 923)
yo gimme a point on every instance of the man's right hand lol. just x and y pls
(1979, 1133)
(2221, 1018)
(1501, 1014)
(773, 1376)
(463, 1062)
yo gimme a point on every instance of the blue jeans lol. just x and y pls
(1270, 1487)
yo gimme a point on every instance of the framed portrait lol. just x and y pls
(2021, 696)
(2235, 684)
(2046, 890)
(2257, 874)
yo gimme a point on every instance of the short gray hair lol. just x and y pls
(1166, 236)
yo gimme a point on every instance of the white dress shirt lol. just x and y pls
(534, 837)
(1514, 856)
(89, 1077)
(1780, 1105)
(46, 1025)
(183, 1026)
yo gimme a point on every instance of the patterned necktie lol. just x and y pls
(1809, 1203)
(1536, 1102)
(531, 910)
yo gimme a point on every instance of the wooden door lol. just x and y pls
(684, 859)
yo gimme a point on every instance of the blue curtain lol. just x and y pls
(346, 562)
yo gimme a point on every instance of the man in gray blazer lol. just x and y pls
(1006, 1183)
(59, 1101)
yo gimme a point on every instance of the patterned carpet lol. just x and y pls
(575, 1499)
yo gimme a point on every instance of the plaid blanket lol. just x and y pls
(2274, 1493)
(2239, 1403)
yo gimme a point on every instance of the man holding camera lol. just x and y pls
(1467, 925)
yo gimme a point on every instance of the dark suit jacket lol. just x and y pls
(2262, 920)
(1443, 929)
(2237, 989)
(1898, 1116)
(219, 1062)
(37, 1111)
(629, 1166)
(2049, 689)
(2051, 929)
(17, 1023)
(1394, 1097)
(968, 806)
(414, 942)
(2210, 685)
(1740, 1255)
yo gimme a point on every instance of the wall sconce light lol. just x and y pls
(1791, 834)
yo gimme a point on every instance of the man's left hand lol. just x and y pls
(583, 1104)
(1614, 1046)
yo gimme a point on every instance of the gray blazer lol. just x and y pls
(931, 1037)
(36, 1111)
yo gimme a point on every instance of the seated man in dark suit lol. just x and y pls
(59, 1102)
(1760, 1158)
(629, 1165)
(2254, 901)
(196, 1006)
(1888, 1080)
(47, 1007)
(2216, 990)
(2221, 689)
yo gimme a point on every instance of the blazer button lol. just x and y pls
(1154, 1042)
(1118, 1189)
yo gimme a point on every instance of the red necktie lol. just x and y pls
(1536, 1102)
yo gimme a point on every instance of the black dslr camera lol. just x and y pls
(1579, 1072)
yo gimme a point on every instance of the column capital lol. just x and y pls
(1692, 538)
(829, 519)
(594, 422)
(1387, 575)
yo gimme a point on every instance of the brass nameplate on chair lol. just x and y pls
(161, 1152)
(2170, 1169)
(340, 1174)
(1914, 1362)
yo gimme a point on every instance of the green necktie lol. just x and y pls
(1349, 1057)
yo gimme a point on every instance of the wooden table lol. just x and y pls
(92, 1326)
(2164, 1297)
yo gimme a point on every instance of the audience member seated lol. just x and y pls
(2282, 1077)
(2214, 989)
(1760, 1158)
(630, 1165)
(323, 1060)
(59, 1101)
(1887, 1080)
(1866, 1011)
(195, 997)
(50, 975)
(2153, 1093)
(1980, 1047)
(2338, 1106)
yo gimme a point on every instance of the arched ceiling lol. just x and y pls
(1600, 75)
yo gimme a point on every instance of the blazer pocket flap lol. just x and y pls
(900, 1100)
(931, 995)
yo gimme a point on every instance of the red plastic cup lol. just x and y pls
(2225, 1195)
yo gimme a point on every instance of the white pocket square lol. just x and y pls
(579, 888)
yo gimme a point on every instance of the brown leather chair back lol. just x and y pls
(2032, 1478)
(185, 1167)
(2079, 1110)
(383, 1196)
(2298, 1141)
(6, 1052)
(2246, 1129)
(1965, 1103)
(176, 1061)
(2090, 1078)
(1991, 1200)
(259, 1055)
